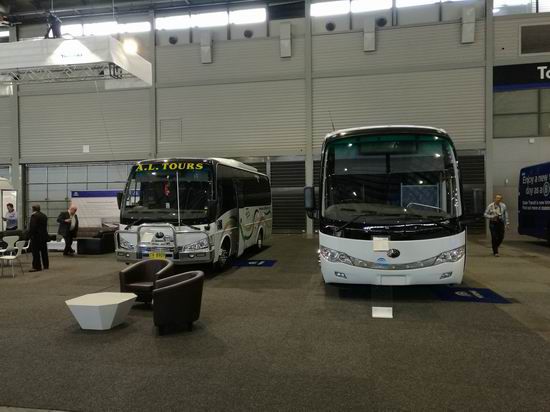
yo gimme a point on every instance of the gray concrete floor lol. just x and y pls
(277, 339)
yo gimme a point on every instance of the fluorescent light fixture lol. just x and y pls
(137, 27)
(248, 16)
(5, 33)
(410, 3)
(215, 19)
(330, 8)
(74, 30)
(100, 29)
(361, 6)
(173, 22)
(130, 46)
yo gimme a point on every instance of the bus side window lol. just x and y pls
(265, 191)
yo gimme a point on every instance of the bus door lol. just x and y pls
(237, 238)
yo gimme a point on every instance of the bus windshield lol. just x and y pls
(154, 189)
(380, 178)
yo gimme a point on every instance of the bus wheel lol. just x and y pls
(260, 241)
(225, 256)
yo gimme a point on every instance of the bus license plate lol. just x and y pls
(157, 255)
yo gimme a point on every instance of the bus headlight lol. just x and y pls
(453, 255)
(198, 245)
(334, 256)
(124, 244)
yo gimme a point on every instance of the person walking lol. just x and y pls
(10, 218)
(68, 228)
(38, 234)
(497, 213)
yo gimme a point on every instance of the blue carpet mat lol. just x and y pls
(255, 263)
(465, 294)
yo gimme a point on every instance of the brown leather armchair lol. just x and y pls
(141, 277)
(177, 301)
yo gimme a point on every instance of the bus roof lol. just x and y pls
(385, 129)
(227, 162)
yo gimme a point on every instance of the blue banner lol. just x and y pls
(95, 193)
(534, 201)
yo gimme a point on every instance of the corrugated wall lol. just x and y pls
(235, 60)
(235, 120)
(451, 99)
(397, 49)
(115, 125)
(7, 132)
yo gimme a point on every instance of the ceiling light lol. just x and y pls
(330, 8)
(215, 19)
(130, 46)
(248, 16)
(361, 6)
(173, 22)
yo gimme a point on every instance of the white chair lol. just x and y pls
(10, 240)
(26, 250)
(14, 258)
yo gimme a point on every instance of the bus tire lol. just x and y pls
(224, 259)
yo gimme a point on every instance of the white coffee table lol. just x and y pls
(101, 311)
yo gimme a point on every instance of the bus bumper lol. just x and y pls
(442, 274)
(181, 258)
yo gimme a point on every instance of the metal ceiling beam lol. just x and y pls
(128, 6)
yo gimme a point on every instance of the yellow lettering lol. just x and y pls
(164, 166)
(190, 166)
(139, 168)
(150, 168)
(173, 166)
(198, 166)
(181, 166)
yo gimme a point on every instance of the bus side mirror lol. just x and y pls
(309, 202)
(119, 199)
(212, 209)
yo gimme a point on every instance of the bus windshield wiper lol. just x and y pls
(355, 219)
(135, 222)
(430, 220)
(190, 226)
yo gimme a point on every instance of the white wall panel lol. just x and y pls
(7, 132)
(236, 60)
(264, 118)
(397, 49)
(115, 125)
(507, 36)
(452, 99)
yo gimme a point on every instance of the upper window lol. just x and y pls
(504, 7)
(535, 39)
(179, 22)
(330, 8)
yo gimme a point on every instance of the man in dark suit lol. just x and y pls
(68, 228)
(38, 233)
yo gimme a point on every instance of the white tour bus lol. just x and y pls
(193, 211)
(390, 207)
